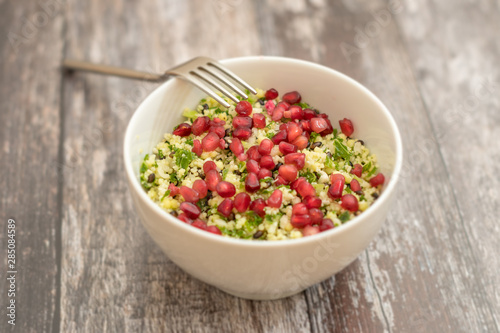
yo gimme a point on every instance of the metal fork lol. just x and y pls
(200, 71)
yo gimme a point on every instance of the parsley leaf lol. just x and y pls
(344, 217)
(341, 150)
(184, 157)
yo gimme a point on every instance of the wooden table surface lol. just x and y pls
(84, 263)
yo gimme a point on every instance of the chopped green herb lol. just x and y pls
(184, 157)
(304, 105)
(143, 167)
(367, 166)
(329, 163)
(341, 150)
(313, 136)
(344, 217)
(189, 141)
(160, 154)
(224, 173)
(191, 114)
(310, 176)
(173, 178)
(165, 195)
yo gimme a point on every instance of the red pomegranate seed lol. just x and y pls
(225, 189)
(295, 184)
(243, 108)
(219, 130)
(306, 125)
(267, 162)
(241, 202)
(278, 113)
(174, 190)
(310, 230)
(300, 209)
(182, 130)
(287, 148)
(296, 112)
(287, 114)
(242, 133)
(318, 125)
(284, 105)
(297, 159)
(189, 194)
(252, 183)
(270, 107)
(258, 206)
(349, 202)
(305, 189)
(226, 207)
(253, 166)
(214, 230)
(259, 120)
(210, 142)
(265, 147)
(199, 224)
(264, 173)
(242, 122)
(323, 115)
(200, 125)
(279, 137)
(217, 122)
(271, 94)
(201, 187)
(275, 199)
(301, 142)
(293, 131)
(197, 148)
(337, 176)
(222, 144)
(183, 217)
(300, 221)
(191, 210)
(284, 126)
(312, 202)
(281, 181)
(329, 129)
(212, 178)
(336, 189)
(355, 186)
(357, 170)
(292, 97)
(242, 157)
(288, 172)
(253, 153)
(346, 126)
(326, 224)
(316, 215)
(236, 147)
(309, 114)
(379, 179)
(209, 165)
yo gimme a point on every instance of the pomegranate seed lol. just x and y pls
(222, 144)
(355, 186)
(236, 147)
(200, 125)
(226, 207)
(259, 120)
(346, 126)
(219, 130)
(242, 157)
(306, 125)
(214, 230)
(297, 159)
(281, 181)
(292, 97)
(265, 147)
(318, 125)
(267, 162)
(295, 184)
(264, 173)
(271, 94)
(284, 105)
(287, 148)
(326, 224)
(189, 194)
(242, 133)
(275, 199)
(182, 130)
(212, 178)
(242, 122)
(288, 172)
(253, 166)
(209, 165)
(201, 187)
(199, 224)
(287, 114)
(278, 113)
(300, 209)
(191, 210)
(284, 126)
(217, 122)
(336, 189)
(174, 190)
(241, 202)
(312, 202)
(301, 142)
(316, 215)
(253, 153)
(310, 230)
(300, 221)
(329, 129)
(210, 142)
(225, 189)
(337, 176)
(252, 183)
(197, 148)
(279, 137)
(349, 202)
(323, 115)
(305, 189)
(293, 131)
(357, 170)
(183, 217)
(258, 206)
(309, 114)
(379, 179)
(296, 112)
(243, 108)
(270, 107)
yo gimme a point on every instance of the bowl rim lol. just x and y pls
(390, 187)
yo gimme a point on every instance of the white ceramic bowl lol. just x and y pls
(266, 269)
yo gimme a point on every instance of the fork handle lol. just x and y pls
(111, 70)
